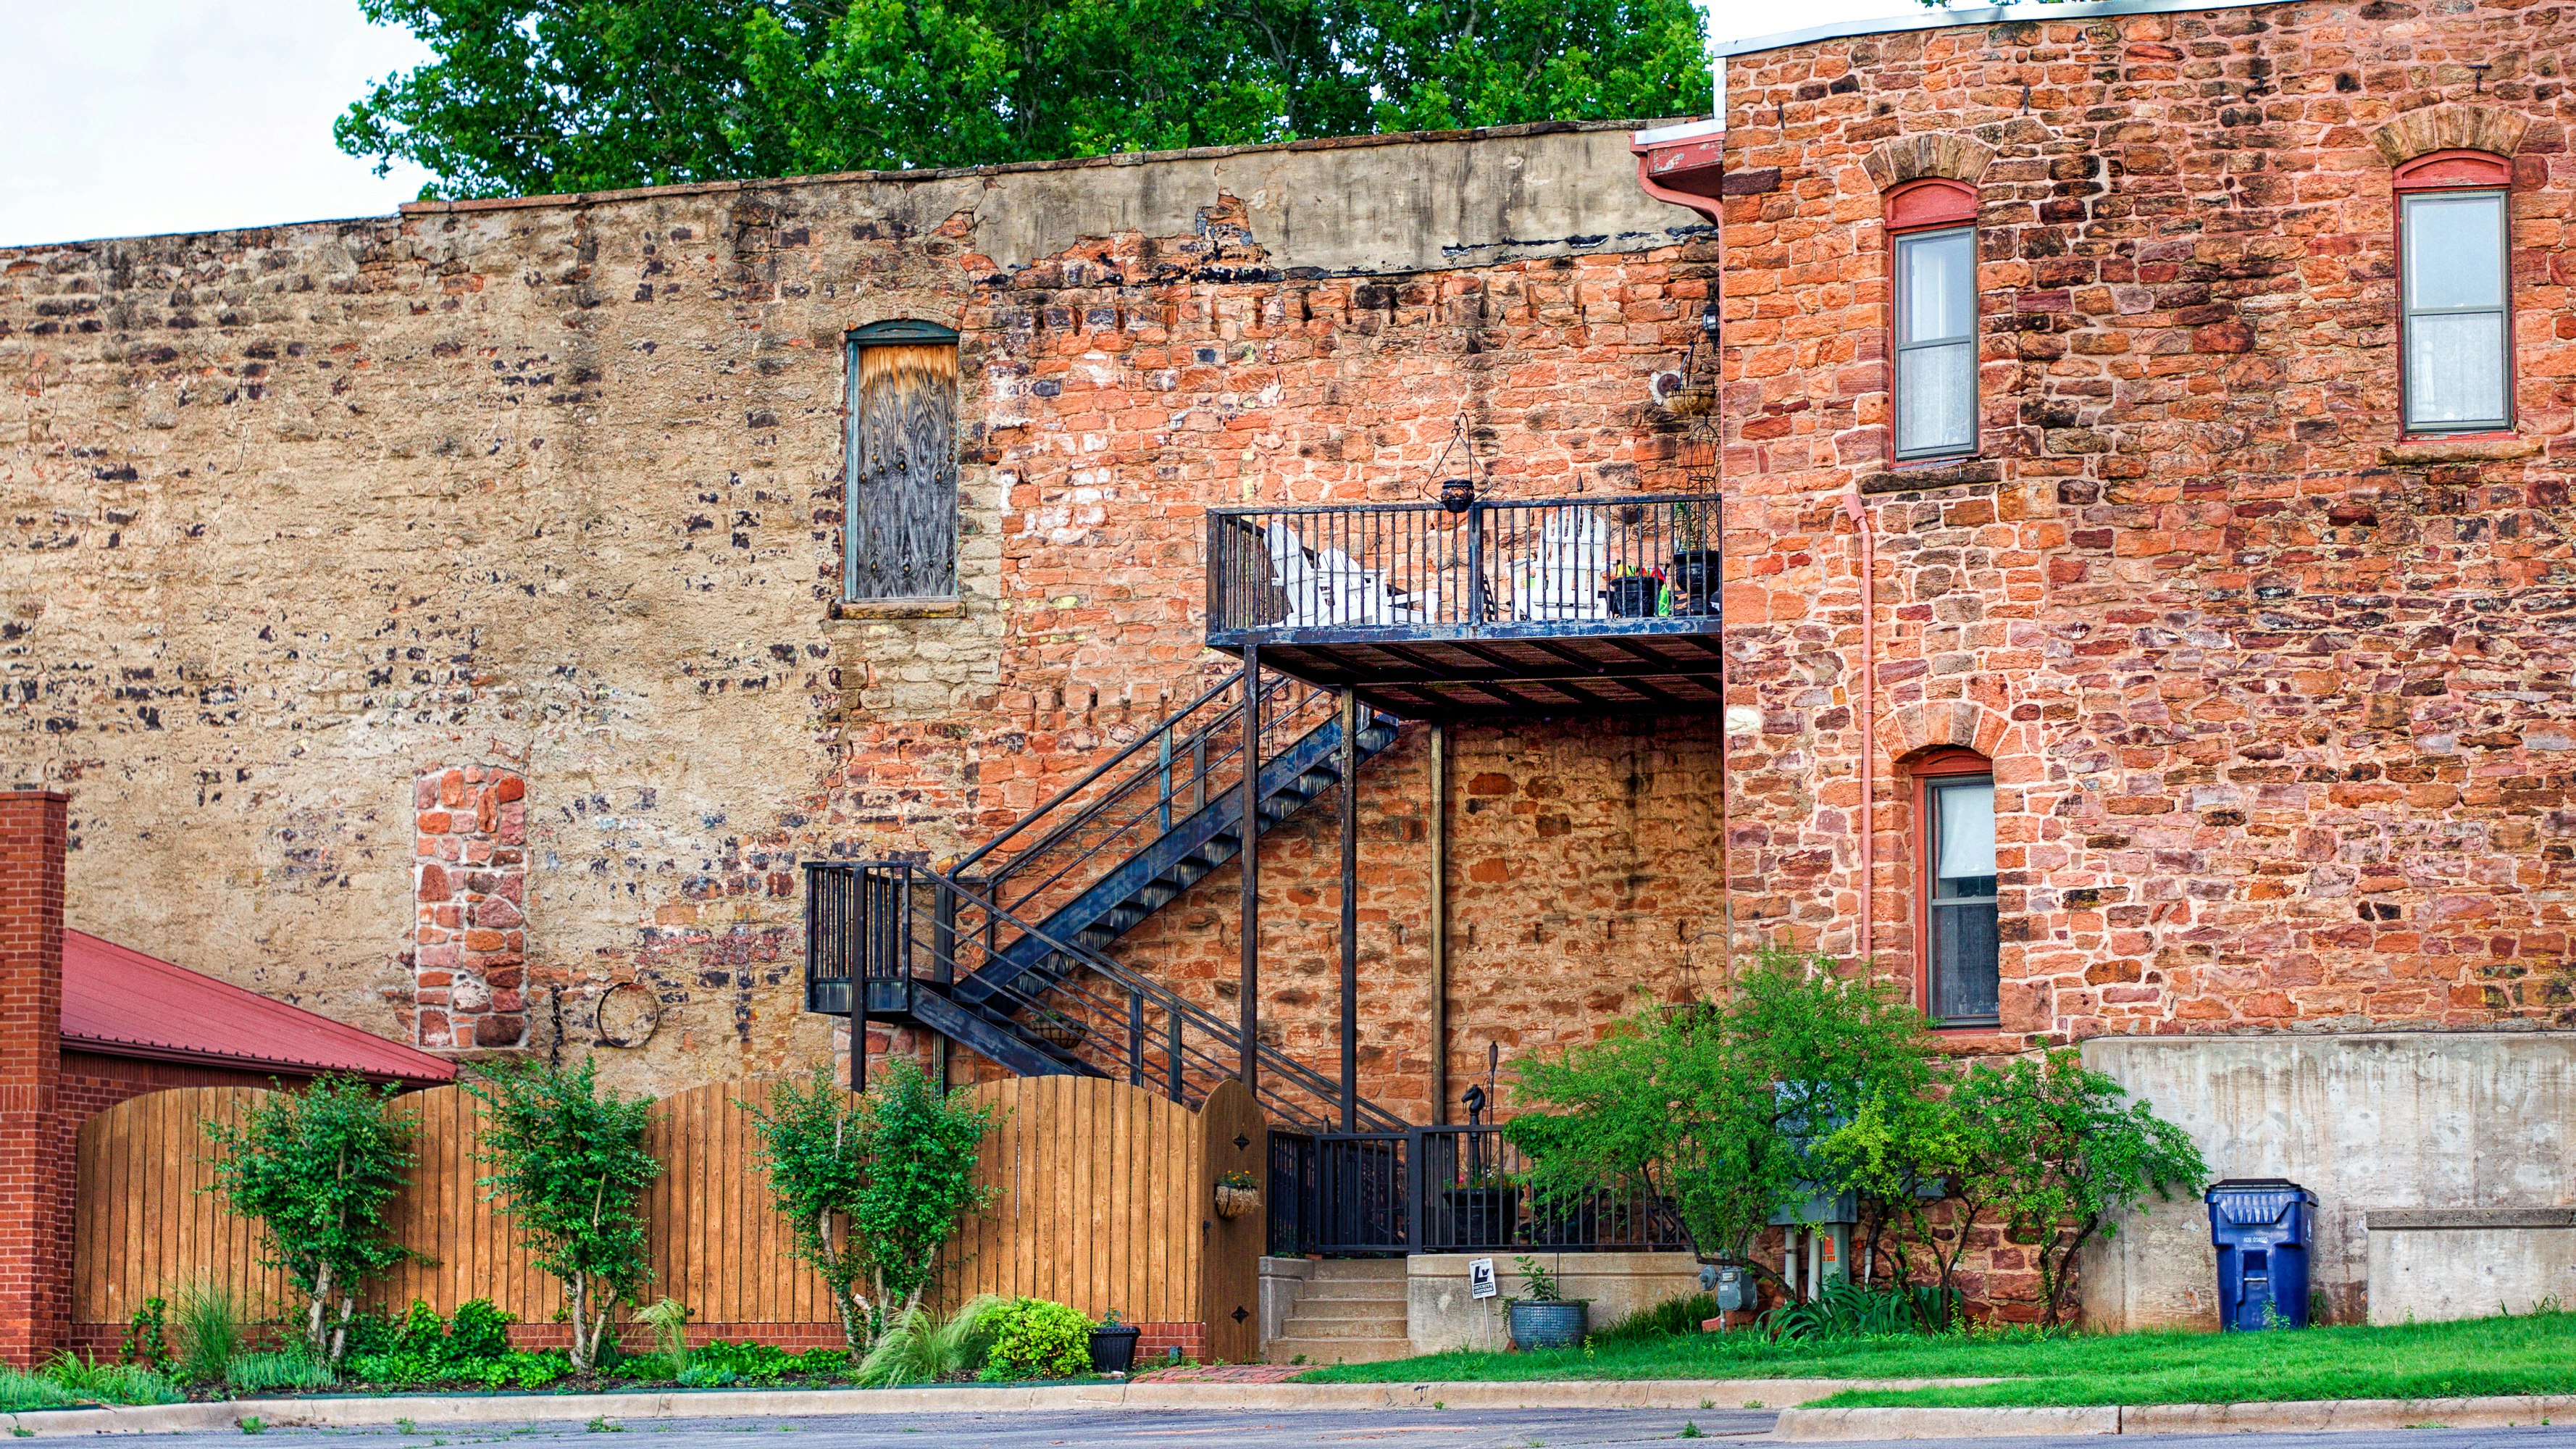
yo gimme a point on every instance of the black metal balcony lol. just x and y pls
(1556, 606)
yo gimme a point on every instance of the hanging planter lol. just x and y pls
(1237, 1195)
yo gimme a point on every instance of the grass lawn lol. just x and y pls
(2534, 1354)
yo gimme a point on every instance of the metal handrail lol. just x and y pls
(1613, 500)
(1231, 681)
(1272, 1062)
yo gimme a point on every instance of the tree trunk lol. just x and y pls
(313, 1319)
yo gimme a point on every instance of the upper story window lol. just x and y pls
(2457, 293)
(899, 525)
(1955, 847)
(1932, 228)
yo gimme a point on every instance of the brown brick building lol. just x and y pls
(481, 615)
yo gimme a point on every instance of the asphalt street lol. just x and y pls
(1182, 1429)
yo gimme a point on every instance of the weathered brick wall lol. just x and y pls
(302, 514)
(35, 1135)
(2279, 702)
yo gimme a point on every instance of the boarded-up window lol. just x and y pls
(902, 465)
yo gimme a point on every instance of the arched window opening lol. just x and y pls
(1932, 234)
(1954, 851)
(2456, 293)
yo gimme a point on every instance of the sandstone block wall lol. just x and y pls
(548, 492)
(2278, 699)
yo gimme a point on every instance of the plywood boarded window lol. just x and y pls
(901, 534)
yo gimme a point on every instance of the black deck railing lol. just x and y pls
(1420, 567)
(1444, 1190)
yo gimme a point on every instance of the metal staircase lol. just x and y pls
(1005, 952)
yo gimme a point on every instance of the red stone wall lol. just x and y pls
(35, 1136)
(471, 882)
(2278, 698)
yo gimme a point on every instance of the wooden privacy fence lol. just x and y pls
(1105, 1201)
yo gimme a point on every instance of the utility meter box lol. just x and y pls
(2260, 1227)
(1734, 1288)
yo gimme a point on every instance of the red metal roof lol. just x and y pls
(124, 1003)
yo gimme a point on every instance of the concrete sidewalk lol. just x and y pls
(538, 1408)
(2328, 1416)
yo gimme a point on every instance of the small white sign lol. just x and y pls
(1480, 1278)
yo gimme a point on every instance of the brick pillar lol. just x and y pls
(35, 1141)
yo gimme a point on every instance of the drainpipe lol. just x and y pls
(1681, 164)
(1868, 715)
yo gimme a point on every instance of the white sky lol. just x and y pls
(131, 117)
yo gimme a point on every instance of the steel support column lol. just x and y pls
(1249, 827)
(1439, 925)
(1350, 911)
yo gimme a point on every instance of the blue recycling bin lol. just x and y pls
(2260, 1227)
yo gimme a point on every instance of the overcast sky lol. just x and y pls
(129, 117)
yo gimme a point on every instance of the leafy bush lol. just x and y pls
(316, 1169)
(147, 1336)
(891, 1171)
(1847, 1310)
(210, 1330)
(1672, 1316)
(292, 1368)
(763, 1363)
(1035, 1338)
(420, 1348)
(922, 1347)
(481, 1329)
(703, 1376)
(570, 1163)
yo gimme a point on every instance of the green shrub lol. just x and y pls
(20, 1391)
(1672, 1316)
(1034, 1338)
(110, 1383)
(210, 1330)
(293, 1368)
(569, 1163)
(703, 1376)
(481, 1330)
(1847, 1310)
(921, 1347)
(669, 1320)
(147, 1336)
(316, 1170)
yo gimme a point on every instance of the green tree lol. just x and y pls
(527, 96)
(570, 1162)
(1721, 1106)
(316, 1169)
(874, 1186)
(2060, 1151)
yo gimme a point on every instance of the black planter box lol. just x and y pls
(1113, 1348)
(1634, 596)
(1481, 1217)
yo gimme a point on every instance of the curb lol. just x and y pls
(352, 1413)
(2317, 1416)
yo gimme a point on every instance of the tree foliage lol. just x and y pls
(528, 96)
(873, 1185)
(1720, 1106)
(1803, 1082)
(316, 1170)
(570, 1162)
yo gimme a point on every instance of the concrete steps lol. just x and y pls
(1351, 1310)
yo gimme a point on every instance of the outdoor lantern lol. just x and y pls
(1457, 494)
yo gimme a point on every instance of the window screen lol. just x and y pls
(1936, 343)
(901, 529)
(1961, 908)
(2457, 338)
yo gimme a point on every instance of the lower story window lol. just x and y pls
(1959, 898)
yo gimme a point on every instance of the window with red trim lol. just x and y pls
(1932, 238)
(2455, 293)
(1954, 852)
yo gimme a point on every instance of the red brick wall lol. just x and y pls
(470, 886)
(2278, 700)
(35, 1136)
(92, 1082)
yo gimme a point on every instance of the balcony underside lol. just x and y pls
(1558, 667)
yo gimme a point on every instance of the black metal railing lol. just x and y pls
(1419, 566)
(1444, 1190)
(1162, 776)
(900, 922)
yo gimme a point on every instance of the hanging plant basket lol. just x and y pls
(1237, 1200)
